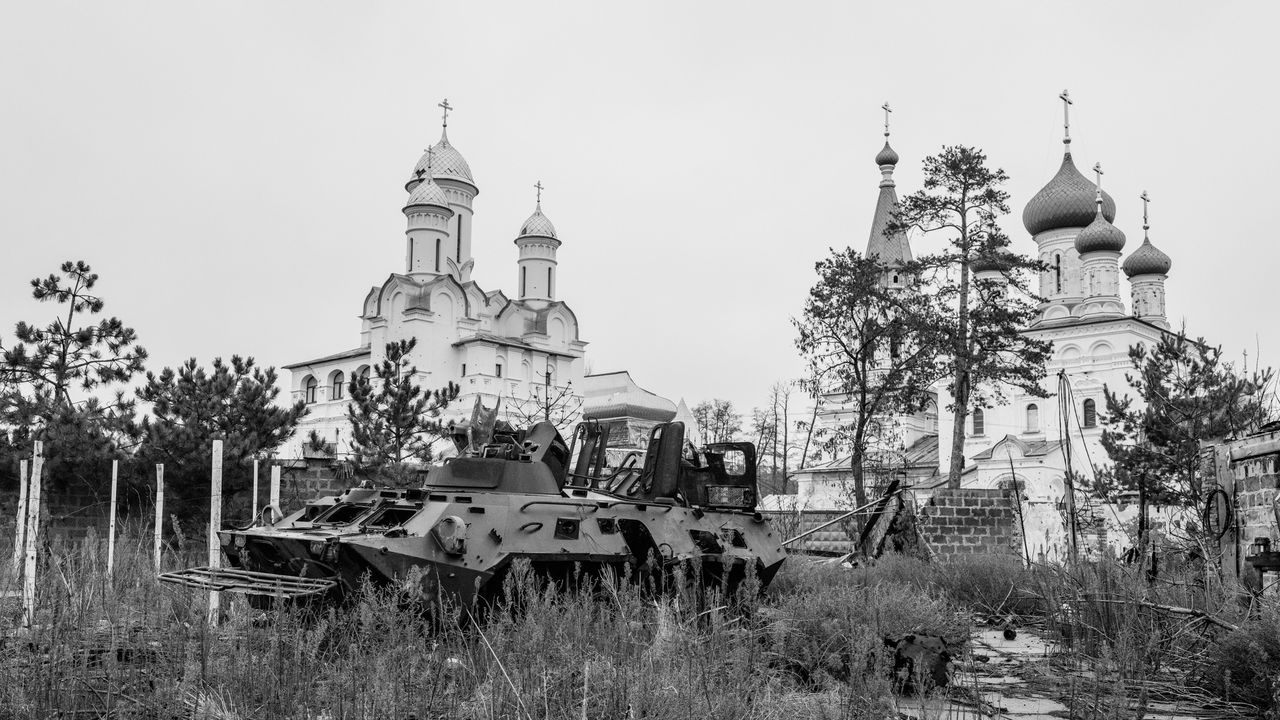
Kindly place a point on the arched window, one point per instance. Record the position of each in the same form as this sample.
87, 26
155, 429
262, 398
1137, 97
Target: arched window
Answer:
310, 392
979, 422
1090, 413
338, 380
1057, 273
437, 254
895, 279
1033, 418
549, 295
524, 280
363, 372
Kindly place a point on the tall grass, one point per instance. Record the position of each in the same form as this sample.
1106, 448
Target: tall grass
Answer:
131, 647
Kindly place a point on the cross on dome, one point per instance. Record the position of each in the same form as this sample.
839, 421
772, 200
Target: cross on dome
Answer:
1145, 226
538, 185
887, 110
444, 122
1097, 173
1066, 116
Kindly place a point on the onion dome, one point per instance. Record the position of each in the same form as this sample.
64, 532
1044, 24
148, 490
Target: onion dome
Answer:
538, 225
887, 156
428, 193
1147, 260
1067, 201
1100, 236
446, 164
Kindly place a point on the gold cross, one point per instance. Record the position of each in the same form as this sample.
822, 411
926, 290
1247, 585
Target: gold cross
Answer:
887, 110
539, 186
1066, 118
447, 107
1145, 225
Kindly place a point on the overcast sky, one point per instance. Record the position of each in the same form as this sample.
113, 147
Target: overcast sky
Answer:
235, 171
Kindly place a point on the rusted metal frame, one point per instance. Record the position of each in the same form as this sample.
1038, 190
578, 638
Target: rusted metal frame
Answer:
248, 582
563, 503
845, 516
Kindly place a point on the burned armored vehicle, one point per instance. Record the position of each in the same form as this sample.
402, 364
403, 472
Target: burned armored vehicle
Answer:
516, 495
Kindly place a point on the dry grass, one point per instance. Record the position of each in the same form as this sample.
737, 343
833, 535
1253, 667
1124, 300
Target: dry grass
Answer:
810, 647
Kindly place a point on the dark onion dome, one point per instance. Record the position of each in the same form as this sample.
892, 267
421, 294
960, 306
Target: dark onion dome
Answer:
1147, 260
1100, 236
1067, 201
999, 261
887, 156
538, 225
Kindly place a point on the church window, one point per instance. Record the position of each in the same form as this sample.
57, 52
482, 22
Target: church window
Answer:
1090, 413
549, 295
460, 219
895, 279
310, 392
437, 254
1057, 273
363, 372
497, 370
524, 280
1033, 418
464, 369
338, 379
979, 422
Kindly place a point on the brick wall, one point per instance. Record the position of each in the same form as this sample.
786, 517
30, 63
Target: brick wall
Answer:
1254, 496
964, 522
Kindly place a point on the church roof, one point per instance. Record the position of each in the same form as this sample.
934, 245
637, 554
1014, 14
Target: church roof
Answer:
538, 225
609, 396
886, 156
1066, 201
344, 355
922, 453
892, 249
1035, 448
1147, 260
517, 343
428, 193
446, 164
1100, 236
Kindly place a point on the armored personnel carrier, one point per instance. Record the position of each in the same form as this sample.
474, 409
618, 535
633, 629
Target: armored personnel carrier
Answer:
515, 496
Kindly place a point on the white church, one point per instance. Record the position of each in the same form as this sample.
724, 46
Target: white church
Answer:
1083, 315
497, 347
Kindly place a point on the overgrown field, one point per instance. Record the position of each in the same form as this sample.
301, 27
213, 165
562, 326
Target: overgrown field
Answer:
810, 646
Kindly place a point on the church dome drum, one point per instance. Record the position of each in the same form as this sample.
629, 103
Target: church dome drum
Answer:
1066, 201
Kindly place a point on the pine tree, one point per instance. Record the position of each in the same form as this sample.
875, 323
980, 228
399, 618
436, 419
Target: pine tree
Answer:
980, 332
1184, 394
191, 407
393, 421
56, 382
870, 343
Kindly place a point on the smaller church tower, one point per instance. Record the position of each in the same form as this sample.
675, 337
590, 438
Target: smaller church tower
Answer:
1147, 269
891, 248
429, 216
452, 173
1099, 247
537, 264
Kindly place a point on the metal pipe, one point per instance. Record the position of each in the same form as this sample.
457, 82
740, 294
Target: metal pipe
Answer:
845, 516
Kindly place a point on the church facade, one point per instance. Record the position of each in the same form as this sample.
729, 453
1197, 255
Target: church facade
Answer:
502, 348
1030, 439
